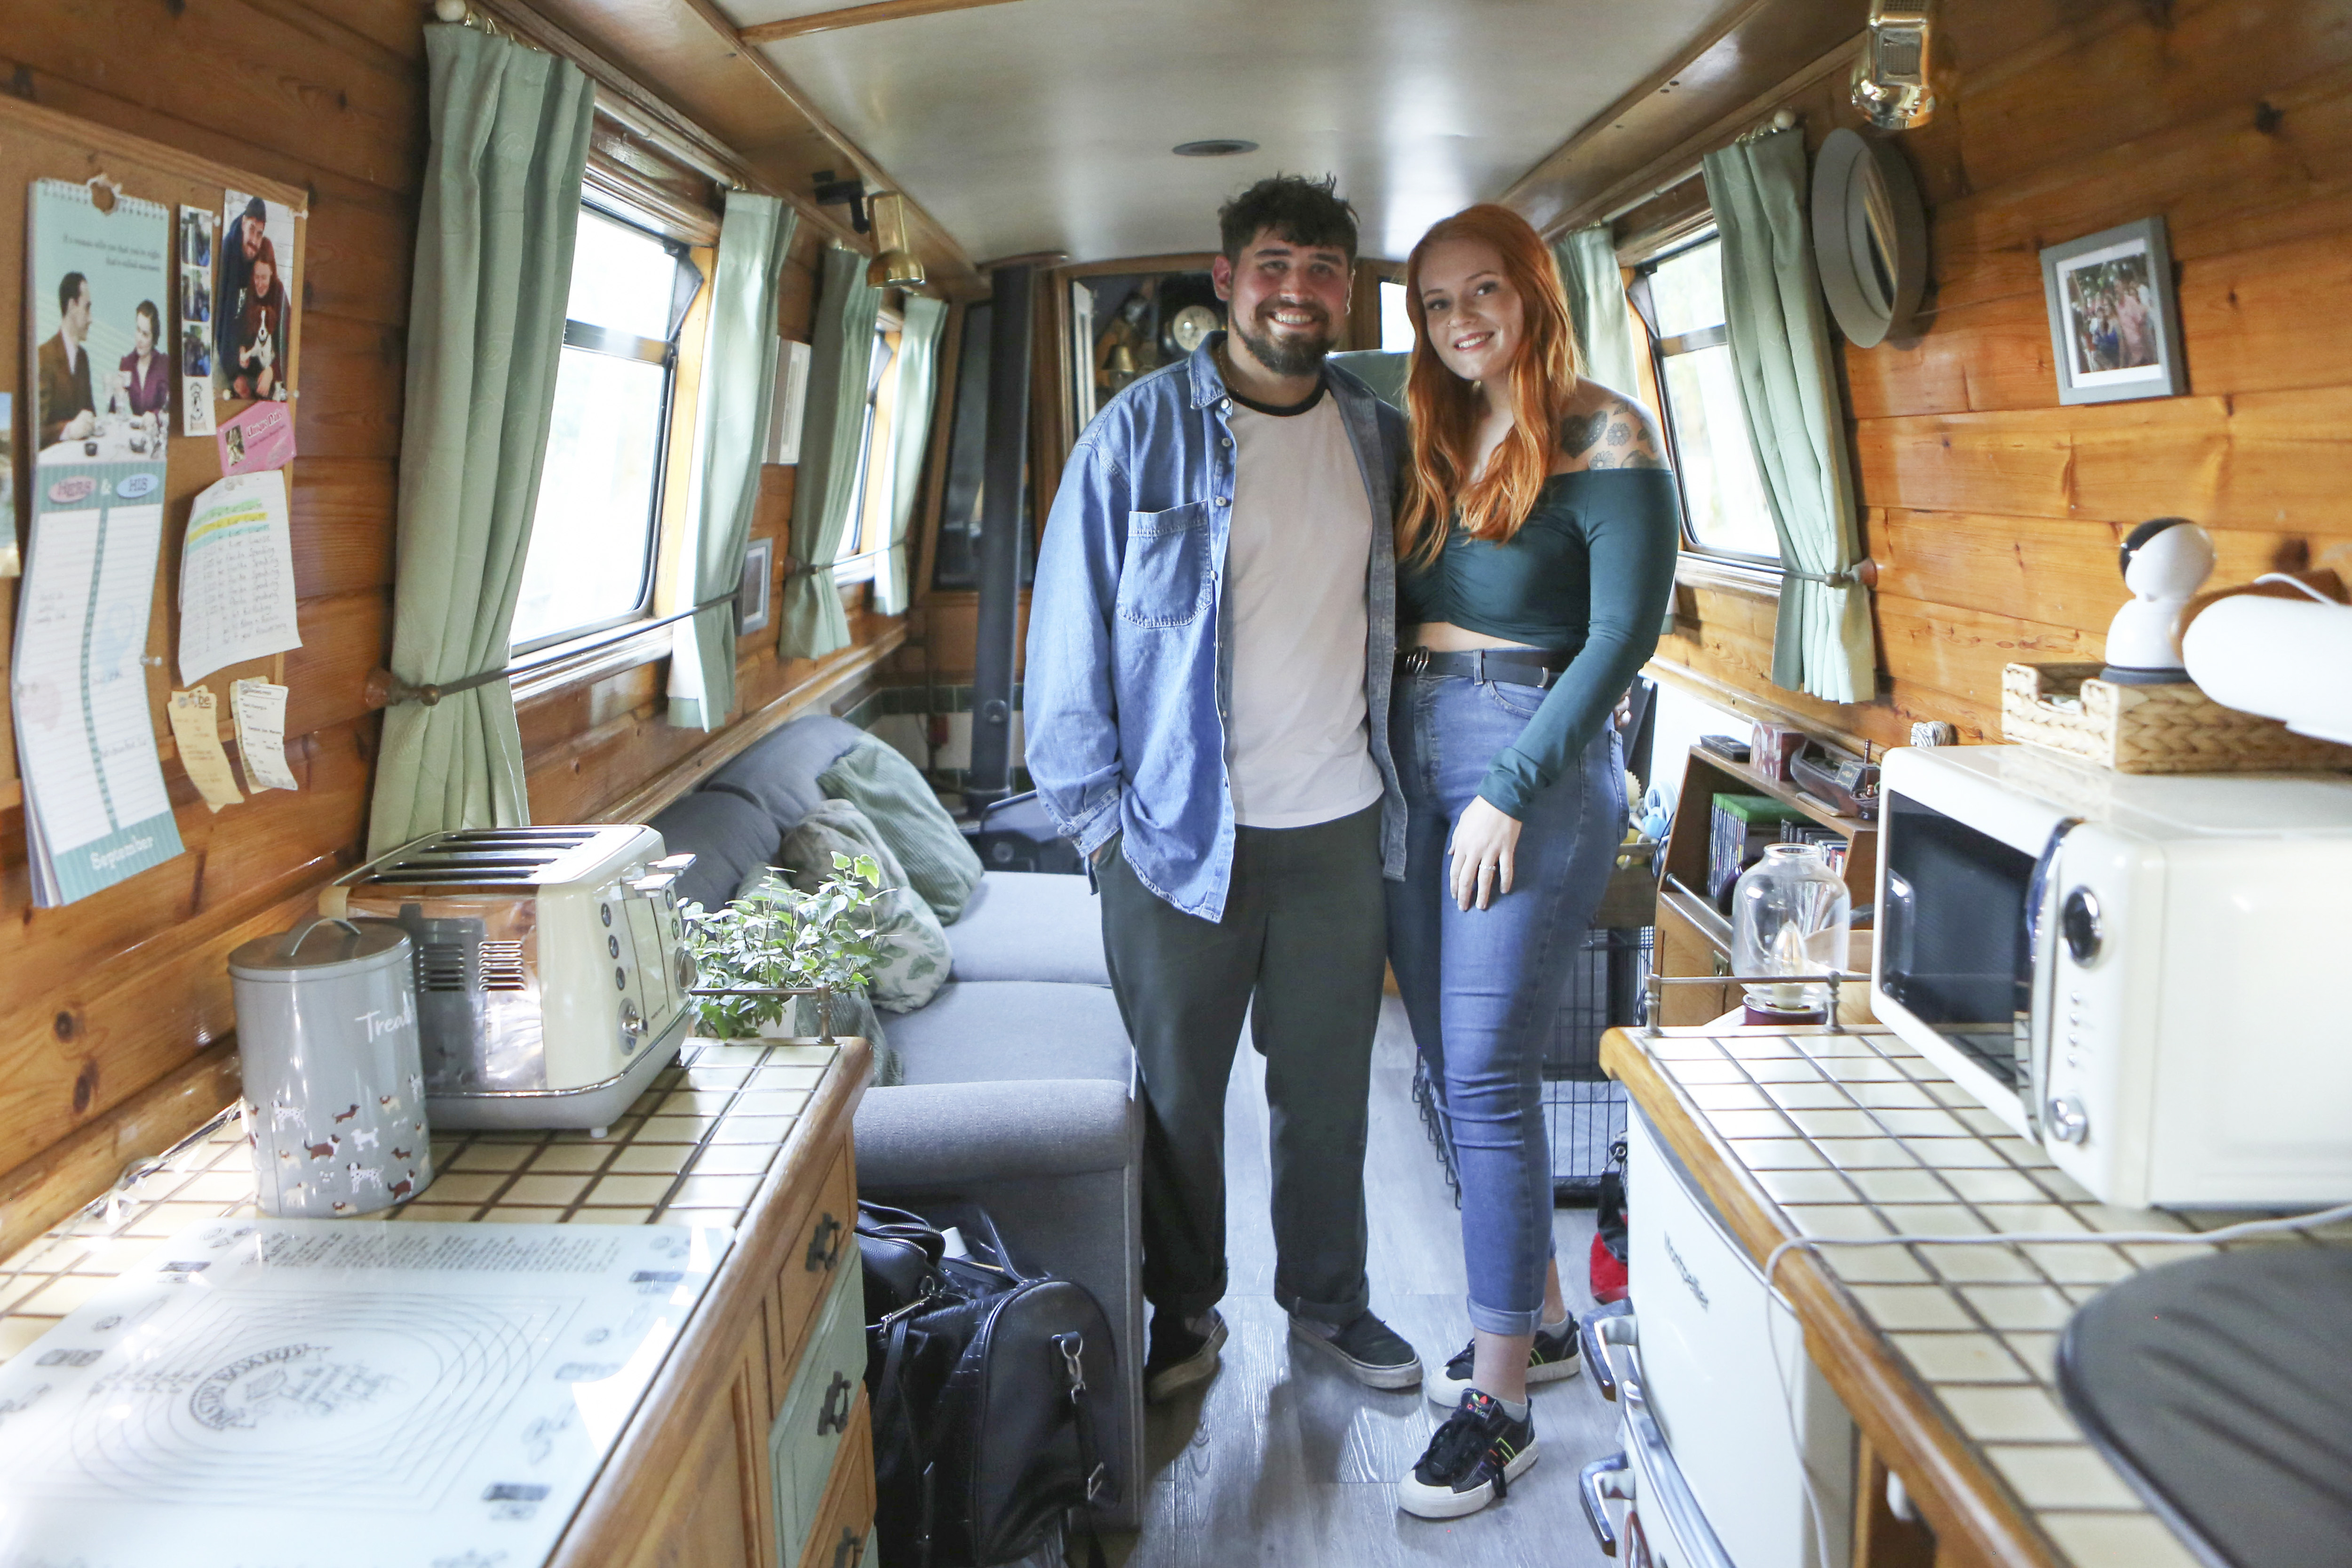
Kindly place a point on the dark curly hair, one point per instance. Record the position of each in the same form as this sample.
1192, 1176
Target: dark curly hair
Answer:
1297, 209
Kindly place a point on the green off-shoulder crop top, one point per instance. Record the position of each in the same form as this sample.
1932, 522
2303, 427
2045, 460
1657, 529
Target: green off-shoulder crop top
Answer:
1589, 574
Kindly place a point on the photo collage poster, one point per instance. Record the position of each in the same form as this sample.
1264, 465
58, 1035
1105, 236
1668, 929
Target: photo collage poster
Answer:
11, 560
253, 300
101, 282
195, 338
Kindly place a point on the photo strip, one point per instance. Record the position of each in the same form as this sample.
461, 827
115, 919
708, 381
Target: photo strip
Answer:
195, 258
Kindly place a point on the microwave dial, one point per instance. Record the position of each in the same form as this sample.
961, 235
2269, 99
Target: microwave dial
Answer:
2078, 922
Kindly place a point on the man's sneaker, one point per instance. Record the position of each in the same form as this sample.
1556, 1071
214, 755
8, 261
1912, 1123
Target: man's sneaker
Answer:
1373, 1353
1472, 1460
1550, 1359
1183, 1352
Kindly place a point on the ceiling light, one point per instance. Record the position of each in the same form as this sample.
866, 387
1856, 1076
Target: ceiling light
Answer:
1214, 147
893, 266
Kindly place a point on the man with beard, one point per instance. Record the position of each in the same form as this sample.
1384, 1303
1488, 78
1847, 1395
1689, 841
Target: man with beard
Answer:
1210, 645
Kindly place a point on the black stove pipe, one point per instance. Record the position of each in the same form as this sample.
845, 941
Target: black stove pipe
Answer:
989, 778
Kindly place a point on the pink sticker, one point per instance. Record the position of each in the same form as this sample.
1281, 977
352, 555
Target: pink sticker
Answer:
260, 437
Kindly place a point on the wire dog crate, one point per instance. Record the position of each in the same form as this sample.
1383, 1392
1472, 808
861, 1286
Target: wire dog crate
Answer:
1584, 1111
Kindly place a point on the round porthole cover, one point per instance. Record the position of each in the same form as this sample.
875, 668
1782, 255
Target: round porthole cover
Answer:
1870, 236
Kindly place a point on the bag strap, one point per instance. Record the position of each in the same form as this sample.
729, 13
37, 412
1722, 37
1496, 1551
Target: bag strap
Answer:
1098, 1479
894, 1377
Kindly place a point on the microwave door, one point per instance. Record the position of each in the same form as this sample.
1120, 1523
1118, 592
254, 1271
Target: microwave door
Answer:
1953, 947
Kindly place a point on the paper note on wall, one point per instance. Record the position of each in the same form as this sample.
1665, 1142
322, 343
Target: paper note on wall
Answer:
237, 575
260, 711
96, 810
196, 730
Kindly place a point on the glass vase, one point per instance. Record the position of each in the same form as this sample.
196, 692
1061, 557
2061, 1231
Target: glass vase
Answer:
1790, 916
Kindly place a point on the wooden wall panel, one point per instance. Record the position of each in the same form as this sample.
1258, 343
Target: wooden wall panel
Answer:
1994, 512
115, 999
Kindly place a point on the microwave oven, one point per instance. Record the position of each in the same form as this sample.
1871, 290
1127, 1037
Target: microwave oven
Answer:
2149, 975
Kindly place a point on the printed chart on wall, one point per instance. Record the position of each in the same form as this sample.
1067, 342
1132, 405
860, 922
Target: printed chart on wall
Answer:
96, 810
414, 1394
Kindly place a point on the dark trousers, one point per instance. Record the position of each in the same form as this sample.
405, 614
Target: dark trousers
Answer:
1300, 951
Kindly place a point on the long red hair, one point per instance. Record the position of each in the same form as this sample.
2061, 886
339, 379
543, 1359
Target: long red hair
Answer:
1443, 408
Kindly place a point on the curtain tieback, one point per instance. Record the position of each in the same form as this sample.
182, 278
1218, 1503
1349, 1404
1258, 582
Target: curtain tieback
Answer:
796, 567
1861, 574
385, 689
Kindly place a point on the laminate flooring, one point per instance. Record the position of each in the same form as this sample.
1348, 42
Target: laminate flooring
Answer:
1282, 1457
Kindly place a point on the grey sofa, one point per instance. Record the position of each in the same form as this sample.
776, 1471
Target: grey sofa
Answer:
1017, 1081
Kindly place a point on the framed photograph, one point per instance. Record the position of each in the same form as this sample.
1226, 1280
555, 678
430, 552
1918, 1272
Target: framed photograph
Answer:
2115, 324
752, 599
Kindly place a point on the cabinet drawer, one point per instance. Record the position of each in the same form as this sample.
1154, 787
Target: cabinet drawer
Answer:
843, 1536
825, 1248
823, 1394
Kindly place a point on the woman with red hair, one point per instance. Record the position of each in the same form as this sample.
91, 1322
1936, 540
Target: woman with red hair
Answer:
1535, 558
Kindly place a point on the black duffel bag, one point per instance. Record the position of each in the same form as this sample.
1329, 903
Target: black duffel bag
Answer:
989, 1386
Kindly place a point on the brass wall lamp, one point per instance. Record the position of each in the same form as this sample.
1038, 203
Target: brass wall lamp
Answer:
1890, 85
883, 215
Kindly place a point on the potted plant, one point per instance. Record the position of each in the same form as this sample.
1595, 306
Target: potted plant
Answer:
776, 936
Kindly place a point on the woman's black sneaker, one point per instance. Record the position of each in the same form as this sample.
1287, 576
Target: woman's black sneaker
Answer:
1183, 1352
1550, 1359
1471, 1462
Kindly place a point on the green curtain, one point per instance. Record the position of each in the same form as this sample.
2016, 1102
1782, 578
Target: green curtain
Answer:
841, 363
1596, 305
499, 207
918, 369
1796, 418
738, 398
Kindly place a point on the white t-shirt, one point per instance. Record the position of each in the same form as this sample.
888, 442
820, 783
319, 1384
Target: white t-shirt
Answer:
1297, 743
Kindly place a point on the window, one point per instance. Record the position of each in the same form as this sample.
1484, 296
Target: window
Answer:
1396, 322
868, 537
590, 563
1724, 511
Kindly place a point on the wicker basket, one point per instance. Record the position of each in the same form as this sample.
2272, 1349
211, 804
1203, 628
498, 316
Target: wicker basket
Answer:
2170, 728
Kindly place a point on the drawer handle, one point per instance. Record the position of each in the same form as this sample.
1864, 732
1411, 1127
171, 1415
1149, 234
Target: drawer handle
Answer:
851, 1549
830, 1419
825, 1245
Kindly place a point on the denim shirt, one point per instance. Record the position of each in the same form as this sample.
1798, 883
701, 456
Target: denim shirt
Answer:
1129, 675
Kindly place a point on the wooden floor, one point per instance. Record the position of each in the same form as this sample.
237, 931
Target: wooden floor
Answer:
1285, 1459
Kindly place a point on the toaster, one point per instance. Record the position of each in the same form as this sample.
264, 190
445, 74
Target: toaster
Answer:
552, 967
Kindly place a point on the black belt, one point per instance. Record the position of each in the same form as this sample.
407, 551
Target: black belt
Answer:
1519, 665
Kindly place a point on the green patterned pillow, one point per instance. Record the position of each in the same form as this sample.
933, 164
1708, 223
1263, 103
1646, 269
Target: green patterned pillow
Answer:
915, 953
941, 864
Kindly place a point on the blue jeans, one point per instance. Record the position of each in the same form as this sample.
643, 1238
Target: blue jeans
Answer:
1482, 986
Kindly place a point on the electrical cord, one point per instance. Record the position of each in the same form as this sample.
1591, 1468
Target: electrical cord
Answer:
2246, 1230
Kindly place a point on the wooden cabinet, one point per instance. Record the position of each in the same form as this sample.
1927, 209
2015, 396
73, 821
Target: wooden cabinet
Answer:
1694, 938
753, 1449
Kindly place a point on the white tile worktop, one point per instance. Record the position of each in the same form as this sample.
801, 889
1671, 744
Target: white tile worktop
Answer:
693, 1149
1855, 1134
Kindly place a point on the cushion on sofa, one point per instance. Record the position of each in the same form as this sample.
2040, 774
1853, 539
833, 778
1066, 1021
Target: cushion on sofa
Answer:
914, 950
1031, 925
940, 863
983, 1031
779, 772
952, 1134
728, 836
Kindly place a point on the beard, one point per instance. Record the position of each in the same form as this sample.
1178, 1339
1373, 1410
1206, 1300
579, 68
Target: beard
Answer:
1288, 354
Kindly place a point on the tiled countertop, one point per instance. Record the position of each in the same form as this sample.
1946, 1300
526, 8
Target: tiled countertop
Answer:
1855, 1134
694, 1147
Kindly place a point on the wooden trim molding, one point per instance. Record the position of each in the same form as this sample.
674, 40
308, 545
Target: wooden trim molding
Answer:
837, 674
856, 16
1757, 57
